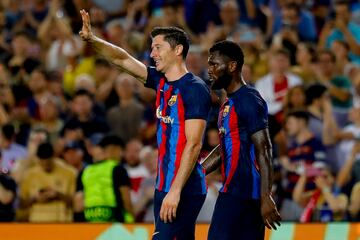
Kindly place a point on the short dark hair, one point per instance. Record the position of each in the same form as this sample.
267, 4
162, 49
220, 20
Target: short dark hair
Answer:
45, 150
112, 140
174, 36
313, 92
231, 50
304, 115
282, 51
342, 2
83, 92
8, 131
293, 6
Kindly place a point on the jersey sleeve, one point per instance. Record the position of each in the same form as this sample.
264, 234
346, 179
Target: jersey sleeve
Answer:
197, 101
254, 112
121, 177
153, 78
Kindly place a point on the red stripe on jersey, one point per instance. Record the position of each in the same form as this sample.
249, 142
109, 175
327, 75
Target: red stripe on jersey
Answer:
162, 149
220, 125
235, 142
181, 138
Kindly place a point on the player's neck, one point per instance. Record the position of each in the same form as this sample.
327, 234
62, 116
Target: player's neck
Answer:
176, 71
235, 85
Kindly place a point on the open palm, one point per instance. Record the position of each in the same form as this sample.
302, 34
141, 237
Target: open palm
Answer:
85, 32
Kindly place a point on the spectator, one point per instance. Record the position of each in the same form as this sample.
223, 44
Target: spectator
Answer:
104, 187
47, 190
305, 57
144, 206
84, 115
304, 150
343, 65
325, 203
74, 155
321, 121
7, 198
274, 86
341, 28
349, 174
354, 206
136, 170
10, 150
338, 86
125, 119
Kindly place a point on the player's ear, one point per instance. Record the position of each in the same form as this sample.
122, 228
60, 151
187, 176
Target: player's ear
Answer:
179, 49
232, 66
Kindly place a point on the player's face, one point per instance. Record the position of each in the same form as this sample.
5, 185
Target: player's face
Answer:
162, 53
218, 71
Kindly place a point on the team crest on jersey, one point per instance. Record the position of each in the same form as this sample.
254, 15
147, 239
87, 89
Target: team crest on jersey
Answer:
226, 111
172, 100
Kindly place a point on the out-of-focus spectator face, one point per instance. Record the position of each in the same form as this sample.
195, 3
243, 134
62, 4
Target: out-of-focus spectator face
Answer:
326, 63
115, 33
194, 62
354, 115
82, 105
303, 54
279, 63
37, 82
297, 97
229, 13
132, 152
20, 45
170, 16
101, 72
342, 11
73, 156
293, 126
290, 16
149, 159
125, 86
339, 49
48, 109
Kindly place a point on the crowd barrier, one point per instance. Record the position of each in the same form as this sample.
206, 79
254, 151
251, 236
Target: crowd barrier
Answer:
287, 231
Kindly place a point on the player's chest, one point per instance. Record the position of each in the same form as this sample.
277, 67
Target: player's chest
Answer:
169, 105
228, 123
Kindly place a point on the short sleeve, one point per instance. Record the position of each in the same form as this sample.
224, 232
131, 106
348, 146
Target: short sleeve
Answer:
121, 177
254, 112
197, 101
153, 78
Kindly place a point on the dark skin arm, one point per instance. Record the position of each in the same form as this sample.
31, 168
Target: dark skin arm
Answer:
212, 161
263, 152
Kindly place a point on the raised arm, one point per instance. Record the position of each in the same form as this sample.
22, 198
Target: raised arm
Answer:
212, 161
116, 55
263, 153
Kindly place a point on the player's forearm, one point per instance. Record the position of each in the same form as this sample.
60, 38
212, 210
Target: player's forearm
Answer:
187, 163
212, 161
119, 57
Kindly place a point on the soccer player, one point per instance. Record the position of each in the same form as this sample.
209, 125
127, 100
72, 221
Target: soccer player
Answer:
183, 103
244, 206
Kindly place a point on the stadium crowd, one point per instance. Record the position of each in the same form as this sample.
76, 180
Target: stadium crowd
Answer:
64, 109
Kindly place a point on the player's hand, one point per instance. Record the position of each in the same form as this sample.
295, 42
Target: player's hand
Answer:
270, 214
85, 32
169, 206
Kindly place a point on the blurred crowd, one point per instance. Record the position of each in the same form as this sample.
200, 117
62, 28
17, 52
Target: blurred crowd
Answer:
78, 136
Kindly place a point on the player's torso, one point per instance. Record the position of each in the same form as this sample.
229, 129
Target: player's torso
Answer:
239, 168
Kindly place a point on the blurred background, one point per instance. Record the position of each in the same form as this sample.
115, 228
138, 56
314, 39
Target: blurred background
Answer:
59, 103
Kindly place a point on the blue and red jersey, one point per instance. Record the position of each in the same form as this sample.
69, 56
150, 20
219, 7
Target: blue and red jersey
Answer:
242, 114
177, 101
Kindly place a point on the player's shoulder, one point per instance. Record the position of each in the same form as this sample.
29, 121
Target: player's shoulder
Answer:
248, 94
193, 85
